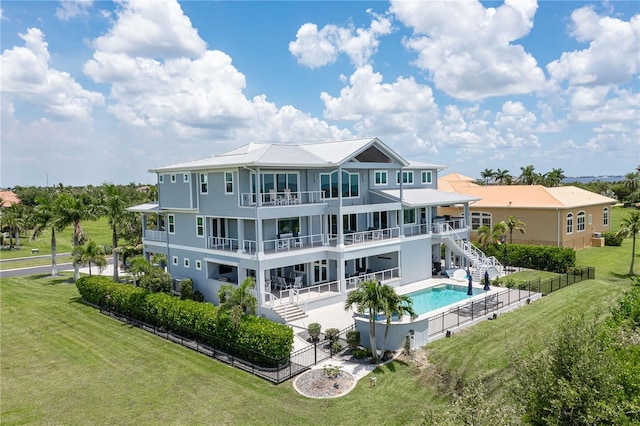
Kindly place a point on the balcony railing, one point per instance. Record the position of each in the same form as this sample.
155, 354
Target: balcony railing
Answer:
153, 235
371, 235
288, 242
443, 226
286, 198
414, 229
387, 274
230, 244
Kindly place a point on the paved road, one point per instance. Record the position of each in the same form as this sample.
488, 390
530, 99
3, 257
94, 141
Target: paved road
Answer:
33, 270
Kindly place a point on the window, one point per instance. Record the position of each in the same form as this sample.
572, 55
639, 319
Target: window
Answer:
380, 177
329, 184
175, 260
161, 178
198, 265
185, 262
407, 177
173, 178
409, 216
204, 187
172, 224
185, 178
350, 184
580, 221
426, 177
605, 216
228, 182
570, 223
350, 222
479, 219
199, 226
288, 225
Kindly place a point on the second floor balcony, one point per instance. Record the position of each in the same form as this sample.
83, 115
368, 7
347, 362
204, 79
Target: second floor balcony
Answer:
155, 235
285, 198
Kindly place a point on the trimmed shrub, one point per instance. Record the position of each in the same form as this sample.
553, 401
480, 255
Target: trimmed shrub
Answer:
314, 330
353, 339
362, 353
331, 334
336, 347
611, 239
542, 258
186, 289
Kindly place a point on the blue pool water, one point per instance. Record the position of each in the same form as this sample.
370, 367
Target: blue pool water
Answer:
437, 297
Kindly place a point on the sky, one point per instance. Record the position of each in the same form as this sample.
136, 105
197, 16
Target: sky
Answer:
95, 91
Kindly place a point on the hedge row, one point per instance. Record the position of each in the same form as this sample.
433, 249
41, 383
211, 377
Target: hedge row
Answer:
254, 339
544, 258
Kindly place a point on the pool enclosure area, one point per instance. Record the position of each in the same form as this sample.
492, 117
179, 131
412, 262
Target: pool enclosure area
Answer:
443, 308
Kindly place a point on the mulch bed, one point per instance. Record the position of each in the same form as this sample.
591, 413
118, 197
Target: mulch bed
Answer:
317, 384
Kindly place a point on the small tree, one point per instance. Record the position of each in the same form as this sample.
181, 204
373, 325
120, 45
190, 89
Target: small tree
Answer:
186, 289
314, 330
88, 254
353, 339
514, 224
630, 227
367, 298
242, 295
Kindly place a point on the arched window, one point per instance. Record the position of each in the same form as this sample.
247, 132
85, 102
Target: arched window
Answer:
479, 219
570, 223
605, 216
581, 217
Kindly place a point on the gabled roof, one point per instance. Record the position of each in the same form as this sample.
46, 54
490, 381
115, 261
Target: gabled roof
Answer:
522, 196
9, 198
424, 197
313, 155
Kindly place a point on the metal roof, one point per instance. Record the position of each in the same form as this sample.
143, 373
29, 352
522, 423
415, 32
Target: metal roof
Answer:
424, 197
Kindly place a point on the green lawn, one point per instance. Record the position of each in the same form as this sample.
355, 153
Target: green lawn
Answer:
62, 362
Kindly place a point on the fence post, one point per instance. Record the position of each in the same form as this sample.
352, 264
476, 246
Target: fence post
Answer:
315, 352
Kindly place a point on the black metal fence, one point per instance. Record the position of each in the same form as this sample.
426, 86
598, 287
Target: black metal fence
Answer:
463, 314
236, 355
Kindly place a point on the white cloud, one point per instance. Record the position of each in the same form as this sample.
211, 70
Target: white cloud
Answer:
73, 8
612, 56
622, 105
152, 29
314, 48
468, 48
26, 76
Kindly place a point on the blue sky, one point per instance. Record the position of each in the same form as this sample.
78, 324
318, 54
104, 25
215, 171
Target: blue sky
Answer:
99, 91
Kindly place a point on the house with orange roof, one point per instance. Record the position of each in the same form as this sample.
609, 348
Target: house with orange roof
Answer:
564, 216
9, 198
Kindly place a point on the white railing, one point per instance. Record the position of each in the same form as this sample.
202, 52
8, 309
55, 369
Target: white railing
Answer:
305, 294
415, 229
286, 198
153, 235
371, 235
249, 246
289, 242
222, 243
386, 274
442, 226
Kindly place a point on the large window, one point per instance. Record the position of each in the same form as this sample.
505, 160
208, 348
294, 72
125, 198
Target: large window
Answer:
288, 225
275, 181
570, 223
380, 178
350, 184
409, 216
605, 216
204, 186
479, 219
426, 176
350, 222
407, 178
172, 224
199, 226
228, 182
581, 226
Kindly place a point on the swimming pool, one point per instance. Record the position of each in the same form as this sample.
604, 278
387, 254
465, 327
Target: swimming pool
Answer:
438, 296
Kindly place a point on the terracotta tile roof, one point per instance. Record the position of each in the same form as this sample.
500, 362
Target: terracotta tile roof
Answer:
9, 198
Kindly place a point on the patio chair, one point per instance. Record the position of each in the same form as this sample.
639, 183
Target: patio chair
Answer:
297, 283
282, 283
272, 196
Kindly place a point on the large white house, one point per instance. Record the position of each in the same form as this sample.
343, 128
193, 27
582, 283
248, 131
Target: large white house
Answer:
308, 221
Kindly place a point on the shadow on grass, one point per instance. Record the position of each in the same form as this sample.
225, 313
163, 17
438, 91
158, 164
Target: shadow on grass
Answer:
390, 367
51, 280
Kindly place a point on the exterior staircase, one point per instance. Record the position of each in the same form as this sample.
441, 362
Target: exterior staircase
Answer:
289, 312
480, 263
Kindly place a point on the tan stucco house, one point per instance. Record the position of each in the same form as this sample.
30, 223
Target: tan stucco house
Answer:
564, 216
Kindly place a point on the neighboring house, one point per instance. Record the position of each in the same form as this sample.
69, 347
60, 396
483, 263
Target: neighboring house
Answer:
9, 198
308, 221
564, 216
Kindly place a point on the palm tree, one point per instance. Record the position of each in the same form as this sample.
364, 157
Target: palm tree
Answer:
14, 219
632, 183
527, 175
513, 223
394, 304
115, 205
630, 227
73, 209
367, 297
487, 174
502, 177
46, 217
487, 235
241, 296
88, 254
554, 177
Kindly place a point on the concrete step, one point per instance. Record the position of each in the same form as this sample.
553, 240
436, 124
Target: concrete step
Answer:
293, 312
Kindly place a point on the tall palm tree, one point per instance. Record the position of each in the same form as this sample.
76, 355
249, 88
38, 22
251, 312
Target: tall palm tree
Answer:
367, 297
487, 174
514, 224
527, 175
394, 304
115, 205
14, 219
88, 254
487, 235
630, 227
46, 217
632, 183
503, 177
73, 209
241, 296
554, 178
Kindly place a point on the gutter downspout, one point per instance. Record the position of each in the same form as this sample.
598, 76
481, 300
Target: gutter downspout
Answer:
558, 213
